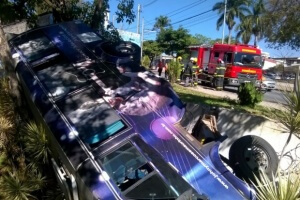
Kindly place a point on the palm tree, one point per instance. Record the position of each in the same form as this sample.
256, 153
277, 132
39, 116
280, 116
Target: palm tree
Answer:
161, 22
252, 24
244, 31
235, 9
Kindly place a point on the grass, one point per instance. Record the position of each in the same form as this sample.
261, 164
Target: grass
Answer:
191, 96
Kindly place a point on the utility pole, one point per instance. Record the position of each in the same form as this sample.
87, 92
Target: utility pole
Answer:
142, 39
138, 18
224, 21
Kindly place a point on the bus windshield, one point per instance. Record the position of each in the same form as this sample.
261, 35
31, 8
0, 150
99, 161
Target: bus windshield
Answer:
247, 59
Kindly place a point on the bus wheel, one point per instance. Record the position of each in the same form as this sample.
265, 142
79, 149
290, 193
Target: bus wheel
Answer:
250, 155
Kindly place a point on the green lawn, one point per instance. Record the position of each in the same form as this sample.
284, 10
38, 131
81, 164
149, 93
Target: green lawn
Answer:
191, 96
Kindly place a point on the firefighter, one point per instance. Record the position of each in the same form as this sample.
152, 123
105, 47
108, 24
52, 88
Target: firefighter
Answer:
195, 72
188, 71
179, 59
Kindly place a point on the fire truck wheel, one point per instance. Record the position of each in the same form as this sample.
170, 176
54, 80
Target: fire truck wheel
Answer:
250, 155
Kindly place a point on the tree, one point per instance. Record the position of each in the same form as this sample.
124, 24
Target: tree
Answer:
282, 23
125, 11
219, 40
151, 49
174, 41
161, 22
244, 31
252, 23
235, 9
200, 39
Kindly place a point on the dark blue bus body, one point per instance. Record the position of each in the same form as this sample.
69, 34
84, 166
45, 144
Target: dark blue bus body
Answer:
115, 131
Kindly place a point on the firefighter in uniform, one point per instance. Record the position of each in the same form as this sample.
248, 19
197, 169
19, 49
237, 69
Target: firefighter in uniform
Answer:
195, 72
188, 71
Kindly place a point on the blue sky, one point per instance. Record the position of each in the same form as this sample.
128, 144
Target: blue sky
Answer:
178, 10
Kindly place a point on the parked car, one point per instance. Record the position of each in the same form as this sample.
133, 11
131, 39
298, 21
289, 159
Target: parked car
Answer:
115, 129
268, 84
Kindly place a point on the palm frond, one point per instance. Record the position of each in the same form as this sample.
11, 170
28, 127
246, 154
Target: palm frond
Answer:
36, 143
20, 185
281, 188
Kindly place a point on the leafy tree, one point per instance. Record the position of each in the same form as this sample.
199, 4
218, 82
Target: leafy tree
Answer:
282, 23
200, 39
252, 23
174, 41
151, 49
125, 11
161, 22
235, 9
219, 40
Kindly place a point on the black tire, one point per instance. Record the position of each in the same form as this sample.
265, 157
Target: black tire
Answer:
121, 52
251, 154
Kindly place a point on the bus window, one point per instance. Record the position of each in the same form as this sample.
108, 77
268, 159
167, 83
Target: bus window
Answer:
93, 119
35, 46
88, 37
61, 78
134, 176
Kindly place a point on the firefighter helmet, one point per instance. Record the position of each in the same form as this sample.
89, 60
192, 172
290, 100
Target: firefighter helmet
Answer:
195, 60
179, 58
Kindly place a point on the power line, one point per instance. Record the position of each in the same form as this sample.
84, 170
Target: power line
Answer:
192, 17
209, 18
148, 4
180, 10
196, 19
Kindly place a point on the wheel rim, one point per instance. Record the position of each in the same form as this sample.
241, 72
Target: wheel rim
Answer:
256, 159
127, 49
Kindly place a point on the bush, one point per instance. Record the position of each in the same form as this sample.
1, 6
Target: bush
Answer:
248, 95
146, 61
174, 70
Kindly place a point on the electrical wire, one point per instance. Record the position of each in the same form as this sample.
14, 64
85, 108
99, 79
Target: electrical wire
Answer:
148, 4
192, 16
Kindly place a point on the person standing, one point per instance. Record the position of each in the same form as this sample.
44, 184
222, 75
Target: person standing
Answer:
188, 71
166, 70
195, 72
160, 67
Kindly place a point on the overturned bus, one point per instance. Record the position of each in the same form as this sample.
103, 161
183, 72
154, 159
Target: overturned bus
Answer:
114, 127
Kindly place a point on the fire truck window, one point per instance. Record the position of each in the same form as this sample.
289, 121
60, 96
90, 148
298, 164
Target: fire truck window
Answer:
228, 57
216, 55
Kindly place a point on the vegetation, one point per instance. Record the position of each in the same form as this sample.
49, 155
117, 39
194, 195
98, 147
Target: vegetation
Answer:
174, 71
151, 49
235, 9
20, 153
282, 23
252, 23
291, 117
161, 23
174, 41
248, 95
146, 62
282, 188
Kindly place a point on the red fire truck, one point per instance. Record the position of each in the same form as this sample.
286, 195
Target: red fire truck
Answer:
242, 63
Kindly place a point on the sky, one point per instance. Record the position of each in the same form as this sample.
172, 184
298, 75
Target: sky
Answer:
178, 10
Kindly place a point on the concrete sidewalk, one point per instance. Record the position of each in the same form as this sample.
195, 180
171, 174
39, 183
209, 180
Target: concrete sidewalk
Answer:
236, 124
